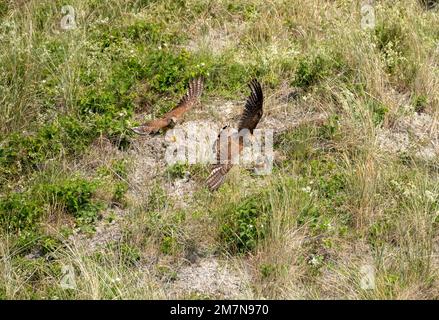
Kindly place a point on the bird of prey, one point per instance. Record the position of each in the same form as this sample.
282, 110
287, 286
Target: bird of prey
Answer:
231, 150
186, 103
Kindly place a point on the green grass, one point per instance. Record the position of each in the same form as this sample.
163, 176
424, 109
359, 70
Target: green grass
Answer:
78, 189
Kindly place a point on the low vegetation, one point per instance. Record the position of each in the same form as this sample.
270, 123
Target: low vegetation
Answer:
90, 211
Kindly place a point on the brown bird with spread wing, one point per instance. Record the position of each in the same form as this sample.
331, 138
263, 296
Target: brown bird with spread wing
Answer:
234, 144
186, 103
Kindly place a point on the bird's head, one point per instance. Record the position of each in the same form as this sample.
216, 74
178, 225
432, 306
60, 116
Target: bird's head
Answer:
172, 122
141, 130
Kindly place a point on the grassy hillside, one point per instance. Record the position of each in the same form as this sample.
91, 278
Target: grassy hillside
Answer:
90, 211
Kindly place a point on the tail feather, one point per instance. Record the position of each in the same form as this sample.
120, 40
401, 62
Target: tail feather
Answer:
196, 87
217, 176
194, 91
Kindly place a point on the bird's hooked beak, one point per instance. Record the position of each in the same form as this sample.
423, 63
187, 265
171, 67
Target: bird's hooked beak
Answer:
172, 122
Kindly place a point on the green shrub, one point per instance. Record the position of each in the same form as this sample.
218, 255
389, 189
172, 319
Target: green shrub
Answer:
150, 33
329, 180
43, 15
22, 153
177, 170
49, 244
247, 10
35, 271
227, 76
244, 226
390, 40
140, 4
297, 144
168, 244
312, 69
420, 103
118, 174
3, 10
19, 211
168, 70
76, 196
378, 111
268, 270
120, 189
171, 235
378, 233
129, 255
330, 129
326, 185
386, 34
157, 198
309, 215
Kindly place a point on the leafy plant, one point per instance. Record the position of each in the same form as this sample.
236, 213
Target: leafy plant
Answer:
313, 69
130, 255
244, 226
420, 103
19, 211
177, 170
379, 112
76, 196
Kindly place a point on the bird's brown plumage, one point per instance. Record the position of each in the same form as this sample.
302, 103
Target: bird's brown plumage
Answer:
186, 103
231, 150
253, 108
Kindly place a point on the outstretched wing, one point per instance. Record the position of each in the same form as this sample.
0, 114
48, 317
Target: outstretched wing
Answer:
253, 107
218, 171
228, 151
217, 176
191, 97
